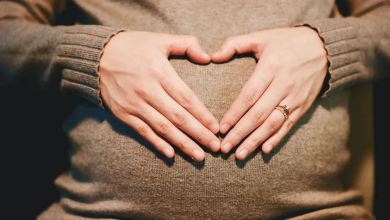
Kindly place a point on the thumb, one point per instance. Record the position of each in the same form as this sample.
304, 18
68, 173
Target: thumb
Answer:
185, 44
238, 44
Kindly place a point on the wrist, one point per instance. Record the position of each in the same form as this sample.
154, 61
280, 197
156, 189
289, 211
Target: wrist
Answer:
105, 57
320, 42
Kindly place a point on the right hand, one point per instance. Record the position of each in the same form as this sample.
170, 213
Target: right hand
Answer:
142, 89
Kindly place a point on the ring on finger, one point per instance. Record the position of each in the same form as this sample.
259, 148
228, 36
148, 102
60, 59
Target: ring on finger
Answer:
284, 110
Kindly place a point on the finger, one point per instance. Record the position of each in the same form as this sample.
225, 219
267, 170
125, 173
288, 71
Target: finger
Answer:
269, 127
248, 96
238, 44
182, 119
255, 116
167, 130
276, 138
176, 88
186, 44
149, 135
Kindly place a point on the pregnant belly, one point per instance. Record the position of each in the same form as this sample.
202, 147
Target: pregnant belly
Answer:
115, 173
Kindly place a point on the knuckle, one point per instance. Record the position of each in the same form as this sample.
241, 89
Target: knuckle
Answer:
118, 110
263, 79
239, 134
183, 145
250, 96
140, 91
179, 118
274, 63
273, 125
159, 144
122, 110
289, 84
234, 116
156, 70
132, 104
258, 117
185, 99
201, 137
208, 122
303, 100
163, 128
289, 124
142, 131
254, 142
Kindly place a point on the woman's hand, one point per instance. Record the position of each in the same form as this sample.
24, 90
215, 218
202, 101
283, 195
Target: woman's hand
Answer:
291, 68
142, 89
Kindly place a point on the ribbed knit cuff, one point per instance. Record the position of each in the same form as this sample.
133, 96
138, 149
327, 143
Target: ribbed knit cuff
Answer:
78, 56
341, 43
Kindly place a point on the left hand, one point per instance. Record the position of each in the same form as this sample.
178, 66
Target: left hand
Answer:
291, 68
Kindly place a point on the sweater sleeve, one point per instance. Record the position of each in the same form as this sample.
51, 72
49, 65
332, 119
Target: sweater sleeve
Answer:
358, 45
37, 54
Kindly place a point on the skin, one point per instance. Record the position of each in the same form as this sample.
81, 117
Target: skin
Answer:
151, 98
291, 69
141, 88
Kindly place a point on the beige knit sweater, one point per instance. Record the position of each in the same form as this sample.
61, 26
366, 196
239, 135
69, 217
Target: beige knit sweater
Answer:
115, 174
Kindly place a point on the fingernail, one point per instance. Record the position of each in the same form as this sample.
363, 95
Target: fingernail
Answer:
227, 147
215, 145
168, 152
197, 155
214, 127
268, 148
244, 153
225, 128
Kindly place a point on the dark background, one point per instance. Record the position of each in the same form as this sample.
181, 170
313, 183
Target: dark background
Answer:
381, 147
33, 150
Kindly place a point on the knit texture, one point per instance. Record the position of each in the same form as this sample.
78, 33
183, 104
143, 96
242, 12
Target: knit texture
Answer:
115, 174
341, 43
79, 53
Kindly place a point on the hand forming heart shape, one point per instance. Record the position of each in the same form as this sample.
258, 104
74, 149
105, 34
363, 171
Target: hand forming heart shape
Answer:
291, 71
141, 88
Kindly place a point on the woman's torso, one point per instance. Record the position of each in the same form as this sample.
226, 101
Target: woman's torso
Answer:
115, 173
